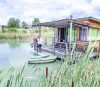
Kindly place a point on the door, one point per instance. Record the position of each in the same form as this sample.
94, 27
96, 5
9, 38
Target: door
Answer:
63, 34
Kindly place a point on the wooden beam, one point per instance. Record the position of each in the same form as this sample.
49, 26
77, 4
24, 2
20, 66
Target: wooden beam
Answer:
78, 33
99, 46
40, 31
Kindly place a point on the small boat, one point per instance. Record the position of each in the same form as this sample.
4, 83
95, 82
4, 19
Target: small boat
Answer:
42, 58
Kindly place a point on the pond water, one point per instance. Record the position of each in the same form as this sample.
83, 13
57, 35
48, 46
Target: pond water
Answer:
16, 53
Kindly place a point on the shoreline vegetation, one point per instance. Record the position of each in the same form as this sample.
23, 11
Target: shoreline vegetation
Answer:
23, 34
84, 73
13, 33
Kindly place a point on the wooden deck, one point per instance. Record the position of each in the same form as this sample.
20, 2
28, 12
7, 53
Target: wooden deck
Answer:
58, 52
63, 49
61, 53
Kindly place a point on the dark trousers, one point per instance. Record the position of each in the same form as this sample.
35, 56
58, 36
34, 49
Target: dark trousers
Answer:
39, 48
35, 44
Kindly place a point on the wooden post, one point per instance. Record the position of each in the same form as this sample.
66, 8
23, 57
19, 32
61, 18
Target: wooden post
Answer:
45, 41
53, 47
52, 40
40, 31
99, 47
70, 28
59, 34
66, 49
70, 35
46, 72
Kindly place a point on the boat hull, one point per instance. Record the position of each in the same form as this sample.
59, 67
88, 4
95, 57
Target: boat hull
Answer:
40, 61
42, 58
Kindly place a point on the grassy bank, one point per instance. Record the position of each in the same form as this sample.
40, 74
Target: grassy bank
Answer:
15, 34
24, 33
85, 73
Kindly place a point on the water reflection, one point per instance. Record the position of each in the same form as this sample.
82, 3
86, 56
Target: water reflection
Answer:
14, 53
13, 44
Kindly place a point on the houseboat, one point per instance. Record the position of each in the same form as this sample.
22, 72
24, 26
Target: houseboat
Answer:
69, 31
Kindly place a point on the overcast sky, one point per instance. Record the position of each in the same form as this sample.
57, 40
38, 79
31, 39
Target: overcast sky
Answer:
47, 10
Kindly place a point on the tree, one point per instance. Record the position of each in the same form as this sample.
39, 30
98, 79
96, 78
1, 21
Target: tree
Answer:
13, 23
35, 21
24, 25
17, 23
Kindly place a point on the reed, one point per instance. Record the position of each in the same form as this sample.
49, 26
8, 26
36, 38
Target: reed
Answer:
84, 73
14, 36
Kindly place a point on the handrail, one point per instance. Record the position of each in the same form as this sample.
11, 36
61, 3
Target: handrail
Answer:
78, 43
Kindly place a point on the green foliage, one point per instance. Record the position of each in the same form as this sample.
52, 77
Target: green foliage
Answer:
24, 31
13, 23
12, 30
24, 25
35, 21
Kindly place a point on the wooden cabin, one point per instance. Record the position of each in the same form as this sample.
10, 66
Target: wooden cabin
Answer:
81, 31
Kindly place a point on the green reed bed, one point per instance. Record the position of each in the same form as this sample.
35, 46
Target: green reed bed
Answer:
14, 36
13, 33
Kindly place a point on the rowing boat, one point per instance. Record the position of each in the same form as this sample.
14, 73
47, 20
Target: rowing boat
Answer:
42, 58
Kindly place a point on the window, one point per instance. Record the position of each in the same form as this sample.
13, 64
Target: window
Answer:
83, 33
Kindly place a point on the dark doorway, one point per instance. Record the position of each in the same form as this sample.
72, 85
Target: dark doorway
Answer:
62, 33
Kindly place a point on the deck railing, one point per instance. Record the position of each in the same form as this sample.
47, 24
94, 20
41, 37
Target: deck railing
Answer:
48, 40
65, 46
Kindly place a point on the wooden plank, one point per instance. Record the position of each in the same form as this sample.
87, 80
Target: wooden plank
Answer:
99, 47
40, 31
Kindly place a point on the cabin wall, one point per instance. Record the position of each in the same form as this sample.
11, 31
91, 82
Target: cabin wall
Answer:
82, 44
94, 24
94, 29
94, 34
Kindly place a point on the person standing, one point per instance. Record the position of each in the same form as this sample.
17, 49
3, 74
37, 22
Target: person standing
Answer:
39, 45
36, 35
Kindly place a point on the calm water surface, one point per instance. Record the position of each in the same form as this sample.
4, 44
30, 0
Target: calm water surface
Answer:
16, 53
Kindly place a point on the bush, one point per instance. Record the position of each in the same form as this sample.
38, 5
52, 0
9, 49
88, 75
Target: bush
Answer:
12, 30
24, 31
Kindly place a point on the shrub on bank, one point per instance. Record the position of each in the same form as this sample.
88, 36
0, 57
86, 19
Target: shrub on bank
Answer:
12, 30
24, 31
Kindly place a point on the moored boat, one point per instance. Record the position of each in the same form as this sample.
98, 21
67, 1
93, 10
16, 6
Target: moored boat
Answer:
42, 58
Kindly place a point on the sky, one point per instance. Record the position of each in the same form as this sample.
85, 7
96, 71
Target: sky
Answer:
47, 10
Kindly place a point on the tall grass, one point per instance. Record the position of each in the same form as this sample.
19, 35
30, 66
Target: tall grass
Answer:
84, 73
17, 34
24, 33
14, 36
